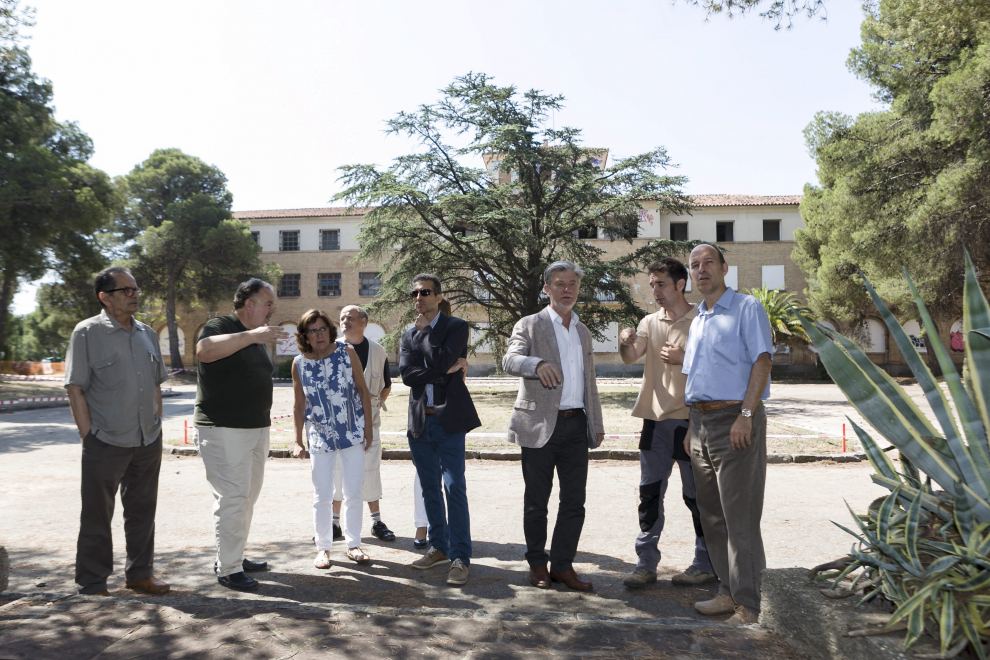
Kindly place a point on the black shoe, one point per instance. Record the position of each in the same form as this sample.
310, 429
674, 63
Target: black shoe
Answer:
420, 544
381, 531
249, 565
337, 533
238, 582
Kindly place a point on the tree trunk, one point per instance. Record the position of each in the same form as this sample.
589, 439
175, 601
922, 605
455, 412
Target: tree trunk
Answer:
173, 329
6, 296
930, 356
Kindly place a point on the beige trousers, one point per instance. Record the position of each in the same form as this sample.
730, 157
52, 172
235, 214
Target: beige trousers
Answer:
730, 485
235, 467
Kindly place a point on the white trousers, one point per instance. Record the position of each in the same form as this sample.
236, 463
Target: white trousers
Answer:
371, 487
352, 473
235, 467
419, 506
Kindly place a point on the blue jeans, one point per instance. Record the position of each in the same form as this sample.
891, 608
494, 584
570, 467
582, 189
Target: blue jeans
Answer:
438, 454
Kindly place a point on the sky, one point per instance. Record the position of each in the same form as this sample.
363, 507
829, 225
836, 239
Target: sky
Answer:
279, 95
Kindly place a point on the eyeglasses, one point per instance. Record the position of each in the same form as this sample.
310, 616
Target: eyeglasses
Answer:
425, 293
317, 331
128, 291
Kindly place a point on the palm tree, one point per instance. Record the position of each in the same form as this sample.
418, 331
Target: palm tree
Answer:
783, 311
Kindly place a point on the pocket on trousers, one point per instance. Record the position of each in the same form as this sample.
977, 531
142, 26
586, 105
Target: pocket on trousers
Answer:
646, 435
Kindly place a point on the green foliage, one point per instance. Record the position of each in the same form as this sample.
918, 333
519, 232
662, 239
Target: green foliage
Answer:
188, 249
926, 550
284, 369
489, 235
776, 10
783, 310
53, 206
909, 185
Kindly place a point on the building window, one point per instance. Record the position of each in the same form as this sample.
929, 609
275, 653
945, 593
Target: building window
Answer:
328, 284
587, 233
371, 284
329, 239
773, 277
723, 232
288, 241
256, 236
289, 286
771, 230
678, 231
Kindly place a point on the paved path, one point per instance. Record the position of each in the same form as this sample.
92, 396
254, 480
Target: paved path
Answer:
300, 609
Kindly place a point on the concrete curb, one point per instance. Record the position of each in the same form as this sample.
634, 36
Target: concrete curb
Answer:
516, 455
817, 627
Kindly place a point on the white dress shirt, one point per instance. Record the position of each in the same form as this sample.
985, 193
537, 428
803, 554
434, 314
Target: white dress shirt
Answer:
571, 361
429, 386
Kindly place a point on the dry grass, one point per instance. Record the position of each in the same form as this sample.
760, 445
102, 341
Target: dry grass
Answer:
494, 405
26, 389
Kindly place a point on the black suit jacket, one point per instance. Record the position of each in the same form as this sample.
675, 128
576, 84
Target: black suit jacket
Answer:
424, 357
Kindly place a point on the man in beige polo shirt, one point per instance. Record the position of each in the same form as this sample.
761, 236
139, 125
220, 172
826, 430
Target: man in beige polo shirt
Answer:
661, 337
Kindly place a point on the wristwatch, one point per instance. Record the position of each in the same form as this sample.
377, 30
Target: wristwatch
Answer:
746, 412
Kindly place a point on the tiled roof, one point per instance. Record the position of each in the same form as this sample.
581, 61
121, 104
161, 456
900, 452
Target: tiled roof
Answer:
699, 200
745, 200
326, 212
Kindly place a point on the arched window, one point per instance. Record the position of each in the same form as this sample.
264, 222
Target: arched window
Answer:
163, 341
956, 342
876, 337
288, 346
374, 332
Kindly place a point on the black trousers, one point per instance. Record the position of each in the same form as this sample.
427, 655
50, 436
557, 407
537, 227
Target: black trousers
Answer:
105, 468
567, 452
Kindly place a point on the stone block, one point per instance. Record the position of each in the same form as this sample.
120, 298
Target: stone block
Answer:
4, 568
780, 458
623, 454
396, 455
500, 455
792, 606
809, 458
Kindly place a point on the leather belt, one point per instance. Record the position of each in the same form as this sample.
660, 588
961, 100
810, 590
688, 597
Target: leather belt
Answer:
431, 411
714, 405
573, 412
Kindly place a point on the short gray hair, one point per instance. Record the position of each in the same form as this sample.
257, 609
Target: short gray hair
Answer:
247, 290
360, 311
559, 266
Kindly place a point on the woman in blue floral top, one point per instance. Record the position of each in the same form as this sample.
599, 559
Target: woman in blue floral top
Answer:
329, 406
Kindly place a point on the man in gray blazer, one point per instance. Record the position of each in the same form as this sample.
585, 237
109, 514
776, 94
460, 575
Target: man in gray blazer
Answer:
556, 418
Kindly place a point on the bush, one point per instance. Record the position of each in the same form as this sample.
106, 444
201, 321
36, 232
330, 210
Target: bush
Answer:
283, 369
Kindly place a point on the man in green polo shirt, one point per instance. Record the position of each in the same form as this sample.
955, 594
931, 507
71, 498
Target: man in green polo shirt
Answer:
233, 418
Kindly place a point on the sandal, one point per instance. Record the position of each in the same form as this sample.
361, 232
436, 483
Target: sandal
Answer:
356, 555
322, 559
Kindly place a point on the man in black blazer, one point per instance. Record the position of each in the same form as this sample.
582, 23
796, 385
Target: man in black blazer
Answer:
433, 363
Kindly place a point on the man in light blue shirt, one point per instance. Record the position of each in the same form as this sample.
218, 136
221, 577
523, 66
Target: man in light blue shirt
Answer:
727, 362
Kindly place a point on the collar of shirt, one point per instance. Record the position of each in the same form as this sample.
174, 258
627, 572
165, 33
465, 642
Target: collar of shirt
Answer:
111, 324
436, 318
725, 301
690, 314
557, 318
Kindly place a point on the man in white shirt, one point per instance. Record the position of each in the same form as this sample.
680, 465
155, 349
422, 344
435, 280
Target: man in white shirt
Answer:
556, 418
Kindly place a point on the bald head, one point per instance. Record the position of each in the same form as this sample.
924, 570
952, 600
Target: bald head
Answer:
353, 321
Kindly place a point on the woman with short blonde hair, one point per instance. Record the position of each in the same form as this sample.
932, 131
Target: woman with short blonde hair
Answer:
330, 405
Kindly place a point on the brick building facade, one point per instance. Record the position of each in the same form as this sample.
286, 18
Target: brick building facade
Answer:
316, 249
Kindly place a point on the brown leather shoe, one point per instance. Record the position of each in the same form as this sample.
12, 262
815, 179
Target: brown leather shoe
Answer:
102, 593
571, 579
539, 577
151, 585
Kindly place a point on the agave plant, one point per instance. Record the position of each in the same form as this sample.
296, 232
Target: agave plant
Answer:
783, 310
926, 546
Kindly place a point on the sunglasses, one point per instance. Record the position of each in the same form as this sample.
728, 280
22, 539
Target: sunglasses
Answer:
312, 332
426, 293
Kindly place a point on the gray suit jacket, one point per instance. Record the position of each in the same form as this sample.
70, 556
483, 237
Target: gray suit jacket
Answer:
534, 415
